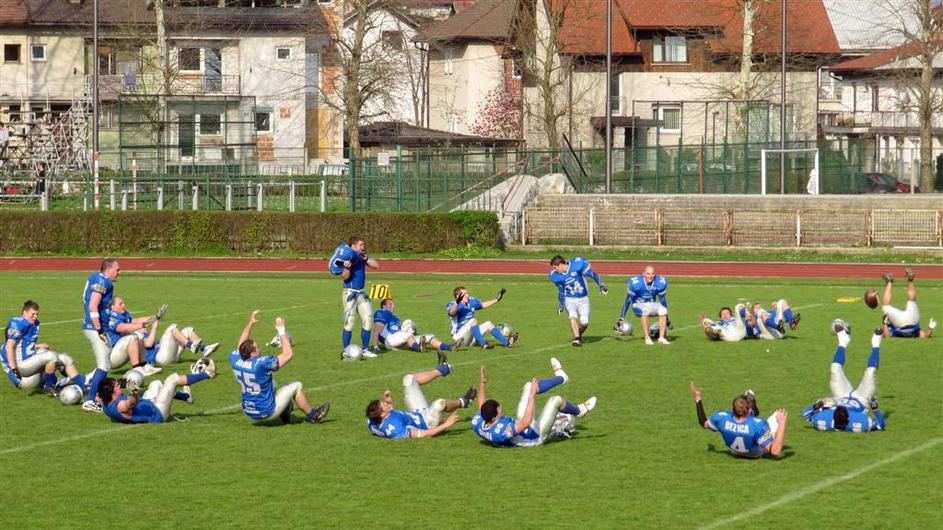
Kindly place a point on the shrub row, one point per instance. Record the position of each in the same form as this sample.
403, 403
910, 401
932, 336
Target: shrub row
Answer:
240, 232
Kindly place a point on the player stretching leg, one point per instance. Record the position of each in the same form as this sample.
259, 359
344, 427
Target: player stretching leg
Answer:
24, 361
154, 406
745, 433
465, 328
350, 261
96, 298
393, 334
572, 295
906, 323
647, 298
731, 326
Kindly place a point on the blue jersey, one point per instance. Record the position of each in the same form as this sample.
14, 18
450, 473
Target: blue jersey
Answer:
358, 266
391, 322
639, 291
752, 331
255, 377
398, 424
572, 283
747, 437
112, 320
464, 315
502, 432
144, 412
26, 333
99, 283
906, 332
858, 421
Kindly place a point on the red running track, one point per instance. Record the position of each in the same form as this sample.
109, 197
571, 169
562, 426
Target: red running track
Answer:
487, 266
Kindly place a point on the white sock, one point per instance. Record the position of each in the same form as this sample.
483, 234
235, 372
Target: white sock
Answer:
843, 339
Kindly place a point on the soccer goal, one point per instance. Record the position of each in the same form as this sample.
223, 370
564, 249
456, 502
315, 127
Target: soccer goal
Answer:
797, 162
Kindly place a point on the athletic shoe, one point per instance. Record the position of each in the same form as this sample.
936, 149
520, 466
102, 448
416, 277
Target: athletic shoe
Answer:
210, 348
468, 396
586, 406
781, 326
204, 365
285, 416
931, 324
150, 369
320, 412
648, 341
750, 394
368, 354
487, 346
92, 406
663, 340
443, 361
512, 340
51, 391
194, 346
558, 369
423, 343
839, 325
186, 390
888, 277
578, 342
873, 403
909, 272
794, 323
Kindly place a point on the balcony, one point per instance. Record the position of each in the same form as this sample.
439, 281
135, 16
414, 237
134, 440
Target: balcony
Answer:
111, 86
906, 122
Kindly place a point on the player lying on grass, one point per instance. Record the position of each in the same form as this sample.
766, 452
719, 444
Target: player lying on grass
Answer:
902, 323
419, 420
846, 409
647, 296
130, 338
731, 326
572, 294
260, 400
393, 334
557, 420
745, 433
465, 328
154, 405
771, 325
26, 362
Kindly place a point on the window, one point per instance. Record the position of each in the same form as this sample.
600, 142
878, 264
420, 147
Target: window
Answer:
209, 124
392, 40
615, 95
516, 71
14, 113
670, 117
448, 61
11, 53
37, 53
669, 49
263, 121
189, 59
283, 53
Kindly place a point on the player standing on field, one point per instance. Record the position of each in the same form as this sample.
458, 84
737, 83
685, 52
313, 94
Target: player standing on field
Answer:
95, 300
350, 261
572, 295
646, 297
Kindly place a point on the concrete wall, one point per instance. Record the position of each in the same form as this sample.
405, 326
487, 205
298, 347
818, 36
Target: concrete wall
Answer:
58, 77
787, 202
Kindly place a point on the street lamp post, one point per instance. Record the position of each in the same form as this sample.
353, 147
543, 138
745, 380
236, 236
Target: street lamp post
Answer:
97, 196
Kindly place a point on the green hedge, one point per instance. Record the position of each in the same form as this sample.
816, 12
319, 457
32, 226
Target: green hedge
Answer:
241, 232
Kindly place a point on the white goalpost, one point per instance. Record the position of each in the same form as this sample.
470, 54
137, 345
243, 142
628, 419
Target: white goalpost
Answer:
813, 183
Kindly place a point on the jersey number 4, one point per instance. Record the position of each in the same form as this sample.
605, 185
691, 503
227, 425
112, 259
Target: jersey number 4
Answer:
737, 445
247, 382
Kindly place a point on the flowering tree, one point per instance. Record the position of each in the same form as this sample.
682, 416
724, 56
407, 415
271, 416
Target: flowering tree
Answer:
499, 115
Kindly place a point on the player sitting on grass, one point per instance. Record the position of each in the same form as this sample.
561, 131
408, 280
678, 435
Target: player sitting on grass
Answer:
393, 334
154, 405
465, 328
745, 433
846, 410
731, 327
130, 338
419, 420
557, 420
27, 363
772, 325
260, 401
903, 323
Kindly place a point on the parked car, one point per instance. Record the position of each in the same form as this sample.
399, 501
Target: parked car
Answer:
883, 183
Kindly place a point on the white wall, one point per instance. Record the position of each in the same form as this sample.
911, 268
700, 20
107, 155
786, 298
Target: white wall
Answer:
455, 99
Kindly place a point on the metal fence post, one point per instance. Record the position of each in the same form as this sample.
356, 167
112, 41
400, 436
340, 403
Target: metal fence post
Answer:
259, 200
798, 228
160, 197
134, 178
523, 227
250, 199
228, 197
124, 200
111, 194
323, 196
181, 200
44, 200
196, 198
291, 196
592, 225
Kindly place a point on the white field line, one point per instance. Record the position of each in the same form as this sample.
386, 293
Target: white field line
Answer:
125, 428
818, 486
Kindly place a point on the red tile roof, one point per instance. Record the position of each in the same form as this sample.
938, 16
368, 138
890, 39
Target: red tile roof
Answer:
878, 59
486, 20
584, 28
13, 13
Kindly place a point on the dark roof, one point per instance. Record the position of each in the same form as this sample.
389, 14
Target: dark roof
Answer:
488, 20
135, 12
599, 122
878, 59
13, 13
390, 133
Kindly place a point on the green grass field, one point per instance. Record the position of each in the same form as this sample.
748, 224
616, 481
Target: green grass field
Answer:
638, 460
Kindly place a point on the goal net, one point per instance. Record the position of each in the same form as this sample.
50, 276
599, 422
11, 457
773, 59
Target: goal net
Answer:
790, 170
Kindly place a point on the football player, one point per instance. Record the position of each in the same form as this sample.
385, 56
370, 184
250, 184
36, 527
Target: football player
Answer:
154, 405
572, 295
389, 331
419, 420
846, 410
524, 430
772, 325
647, 298
730, 328
260, 400
350, 262
95, 299
130, 339
745, 433
24, 359
465, 328
906, 323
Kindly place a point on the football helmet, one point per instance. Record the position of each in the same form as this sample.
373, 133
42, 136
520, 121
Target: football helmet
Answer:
352, 352
624, 328
71, 395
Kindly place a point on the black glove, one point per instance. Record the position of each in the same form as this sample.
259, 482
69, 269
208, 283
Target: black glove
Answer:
16, 372
501, 293
603, 289
819, 405
618, 325
873, 403
375, 349
668, 323
104, 337
559, 310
